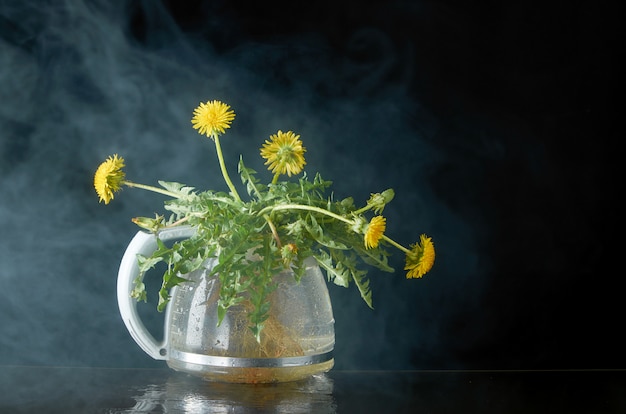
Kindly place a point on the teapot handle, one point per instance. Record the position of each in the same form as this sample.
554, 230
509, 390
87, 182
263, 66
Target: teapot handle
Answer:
144, 244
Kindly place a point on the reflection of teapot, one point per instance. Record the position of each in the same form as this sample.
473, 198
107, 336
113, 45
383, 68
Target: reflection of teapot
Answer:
184, 394
296, 342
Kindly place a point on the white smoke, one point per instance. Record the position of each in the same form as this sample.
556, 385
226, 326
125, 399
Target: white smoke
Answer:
77, 85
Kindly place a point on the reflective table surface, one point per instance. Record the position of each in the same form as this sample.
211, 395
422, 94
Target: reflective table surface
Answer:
25, 389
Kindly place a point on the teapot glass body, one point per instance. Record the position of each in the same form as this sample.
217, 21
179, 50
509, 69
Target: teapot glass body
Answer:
297, 339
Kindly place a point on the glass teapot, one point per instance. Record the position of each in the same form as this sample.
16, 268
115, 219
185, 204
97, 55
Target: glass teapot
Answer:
297, 340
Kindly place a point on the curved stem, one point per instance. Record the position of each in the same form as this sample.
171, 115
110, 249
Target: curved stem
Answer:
220, 157
328, 213
304, 207
273, 228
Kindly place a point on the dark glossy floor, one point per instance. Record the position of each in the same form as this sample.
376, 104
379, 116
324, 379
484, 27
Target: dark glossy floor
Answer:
103, 390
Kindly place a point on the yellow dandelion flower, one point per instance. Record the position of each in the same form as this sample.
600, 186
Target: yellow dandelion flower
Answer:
421, 258
212, 118
374, 232
109, 178
284, 153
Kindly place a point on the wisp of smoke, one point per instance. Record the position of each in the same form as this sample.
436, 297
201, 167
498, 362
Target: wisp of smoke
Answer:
78, 84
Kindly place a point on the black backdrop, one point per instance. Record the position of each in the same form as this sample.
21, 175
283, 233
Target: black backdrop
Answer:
495, 125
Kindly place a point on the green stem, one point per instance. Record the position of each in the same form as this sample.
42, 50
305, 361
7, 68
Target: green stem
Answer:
151, 188
328, 213
220, 157
275, 179
273, 228
303, 207
363, 209
398, 245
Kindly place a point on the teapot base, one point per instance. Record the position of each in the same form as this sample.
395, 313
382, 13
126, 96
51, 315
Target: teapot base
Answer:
251, 375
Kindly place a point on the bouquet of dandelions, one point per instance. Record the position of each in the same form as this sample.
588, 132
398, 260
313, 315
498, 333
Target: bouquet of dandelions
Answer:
280, 224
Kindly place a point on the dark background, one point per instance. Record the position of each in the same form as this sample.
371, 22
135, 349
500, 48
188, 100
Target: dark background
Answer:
494, 123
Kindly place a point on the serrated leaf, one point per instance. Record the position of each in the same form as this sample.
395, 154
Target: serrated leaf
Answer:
170, 279
256, 331
317, 232
341, 270
248, 178
146, 263
177, 188
363, 284
191, 264
139, 291
376, 258
221, 313
336, 274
